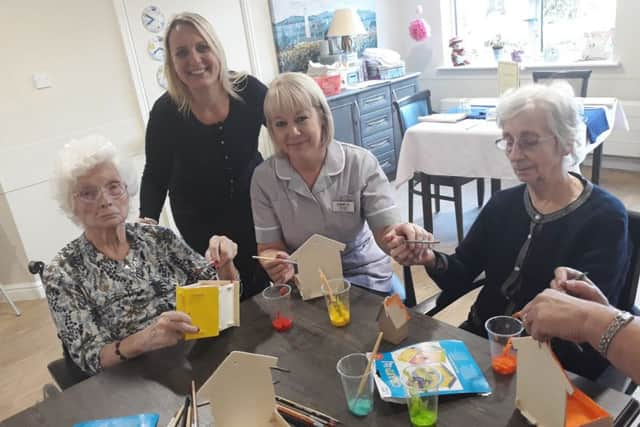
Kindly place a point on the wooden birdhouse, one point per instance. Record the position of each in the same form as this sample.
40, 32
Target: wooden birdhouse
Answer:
393, 319
318, 252
545, 396
247, 375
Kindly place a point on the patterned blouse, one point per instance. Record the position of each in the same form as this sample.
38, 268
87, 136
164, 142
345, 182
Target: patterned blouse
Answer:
95, 300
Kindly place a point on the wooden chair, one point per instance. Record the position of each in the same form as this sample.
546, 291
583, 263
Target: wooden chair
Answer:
64, 371
408, 110
579, 80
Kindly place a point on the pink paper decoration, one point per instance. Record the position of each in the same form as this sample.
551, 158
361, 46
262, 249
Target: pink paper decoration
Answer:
418, 29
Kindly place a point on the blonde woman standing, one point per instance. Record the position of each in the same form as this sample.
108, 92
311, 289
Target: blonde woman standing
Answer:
202, 144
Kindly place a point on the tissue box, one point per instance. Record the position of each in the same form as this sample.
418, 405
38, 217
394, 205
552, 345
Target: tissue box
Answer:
330, 85
375, 71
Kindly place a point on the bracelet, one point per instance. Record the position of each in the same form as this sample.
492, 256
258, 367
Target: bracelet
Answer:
619, 322
120, 355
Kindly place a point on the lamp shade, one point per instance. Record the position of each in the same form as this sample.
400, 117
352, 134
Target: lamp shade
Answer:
345, 22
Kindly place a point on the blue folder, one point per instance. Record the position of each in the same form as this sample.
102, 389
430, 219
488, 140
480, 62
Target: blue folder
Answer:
596, 121
140, 420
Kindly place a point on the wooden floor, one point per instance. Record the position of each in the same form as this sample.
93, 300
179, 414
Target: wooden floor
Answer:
29, 342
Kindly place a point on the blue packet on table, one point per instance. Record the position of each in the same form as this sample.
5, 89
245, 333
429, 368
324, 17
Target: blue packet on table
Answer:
139, 420
478, 112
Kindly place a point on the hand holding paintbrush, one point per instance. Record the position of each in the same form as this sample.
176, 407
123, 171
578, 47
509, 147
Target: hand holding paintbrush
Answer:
410, 244
277, 264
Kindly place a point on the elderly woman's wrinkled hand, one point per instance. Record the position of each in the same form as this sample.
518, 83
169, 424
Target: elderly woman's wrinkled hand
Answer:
166, 330
554, 313
278, 271
409, 253
222, 251
575, 283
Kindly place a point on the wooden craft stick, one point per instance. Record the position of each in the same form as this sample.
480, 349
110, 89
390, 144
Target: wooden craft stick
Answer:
194, 404
173, 422
308, 410
368, 368
325, 282
268, 258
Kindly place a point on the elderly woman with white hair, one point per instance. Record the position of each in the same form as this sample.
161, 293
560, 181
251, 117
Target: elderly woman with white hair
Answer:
554, 218
315, 184
111, 291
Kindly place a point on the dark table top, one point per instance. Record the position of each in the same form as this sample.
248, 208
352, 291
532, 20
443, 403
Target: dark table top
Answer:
310, 350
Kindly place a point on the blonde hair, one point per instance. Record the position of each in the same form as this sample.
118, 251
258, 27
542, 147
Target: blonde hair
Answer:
79, 157
292, 92
232, 82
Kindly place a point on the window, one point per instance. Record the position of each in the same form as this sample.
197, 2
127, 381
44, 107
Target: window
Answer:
546, 31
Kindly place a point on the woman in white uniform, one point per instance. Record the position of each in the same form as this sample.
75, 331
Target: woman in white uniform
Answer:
315, 184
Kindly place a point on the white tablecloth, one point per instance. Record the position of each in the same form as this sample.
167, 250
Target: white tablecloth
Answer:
467, 148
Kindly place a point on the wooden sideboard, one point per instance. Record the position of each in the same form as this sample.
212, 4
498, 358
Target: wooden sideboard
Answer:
365, 117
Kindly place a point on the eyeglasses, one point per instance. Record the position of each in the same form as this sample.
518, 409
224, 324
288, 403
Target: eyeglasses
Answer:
525, 145
115, 190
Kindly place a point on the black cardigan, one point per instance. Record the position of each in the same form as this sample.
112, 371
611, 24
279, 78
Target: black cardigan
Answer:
589, 235
207, 170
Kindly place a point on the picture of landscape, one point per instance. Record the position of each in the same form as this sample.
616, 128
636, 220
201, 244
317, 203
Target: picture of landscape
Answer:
299, 26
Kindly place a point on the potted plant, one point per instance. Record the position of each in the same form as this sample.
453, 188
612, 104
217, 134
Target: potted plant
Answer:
497, 44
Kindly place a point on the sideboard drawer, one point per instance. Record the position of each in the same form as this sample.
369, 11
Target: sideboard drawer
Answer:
380, 142
387, 162
374, 99
376, 121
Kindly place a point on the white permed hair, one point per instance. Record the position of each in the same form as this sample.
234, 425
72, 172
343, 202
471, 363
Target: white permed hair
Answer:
77, 158
561, 110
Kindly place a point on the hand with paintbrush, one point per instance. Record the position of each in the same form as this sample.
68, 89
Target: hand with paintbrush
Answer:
277, 264
410, 244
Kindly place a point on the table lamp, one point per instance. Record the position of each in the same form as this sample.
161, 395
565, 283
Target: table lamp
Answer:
346, 23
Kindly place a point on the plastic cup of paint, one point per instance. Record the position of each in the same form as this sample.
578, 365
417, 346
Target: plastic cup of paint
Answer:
421, 383
278, 303
500, 330
352, 369
338, 302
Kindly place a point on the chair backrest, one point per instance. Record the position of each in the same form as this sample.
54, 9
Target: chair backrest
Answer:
630, 289
578, 79
411, 107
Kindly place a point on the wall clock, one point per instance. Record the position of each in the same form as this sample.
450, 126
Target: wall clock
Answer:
153, 19
155, 47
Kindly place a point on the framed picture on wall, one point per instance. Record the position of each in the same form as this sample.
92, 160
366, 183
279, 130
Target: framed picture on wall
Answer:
299, 26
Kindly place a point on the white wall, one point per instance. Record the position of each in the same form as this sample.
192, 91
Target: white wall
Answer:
78, 44
622, 82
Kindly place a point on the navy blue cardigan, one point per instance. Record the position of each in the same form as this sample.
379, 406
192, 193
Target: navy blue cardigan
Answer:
519, 248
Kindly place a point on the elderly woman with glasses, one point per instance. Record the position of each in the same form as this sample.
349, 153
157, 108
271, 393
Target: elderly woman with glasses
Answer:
111, 291
554, 218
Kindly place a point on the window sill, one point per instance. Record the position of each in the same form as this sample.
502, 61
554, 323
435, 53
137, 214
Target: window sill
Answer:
538, 66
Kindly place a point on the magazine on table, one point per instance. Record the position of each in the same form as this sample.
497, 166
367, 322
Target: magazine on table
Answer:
460, 372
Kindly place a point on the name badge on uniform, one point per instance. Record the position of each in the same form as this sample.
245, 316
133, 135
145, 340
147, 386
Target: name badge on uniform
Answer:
343, 206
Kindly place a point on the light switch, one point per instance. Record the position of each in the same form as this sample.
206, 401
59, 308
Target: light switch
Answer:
41, 80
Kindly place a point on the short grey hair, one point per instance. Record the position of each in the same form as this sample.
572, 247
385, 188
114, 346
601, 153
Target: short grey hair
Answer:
80, 156
291, 92
561, 109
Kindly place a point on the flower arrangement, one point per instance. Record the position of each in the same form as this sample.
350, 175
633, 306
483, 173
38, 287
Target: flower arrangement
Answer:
496, 42
418, 29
